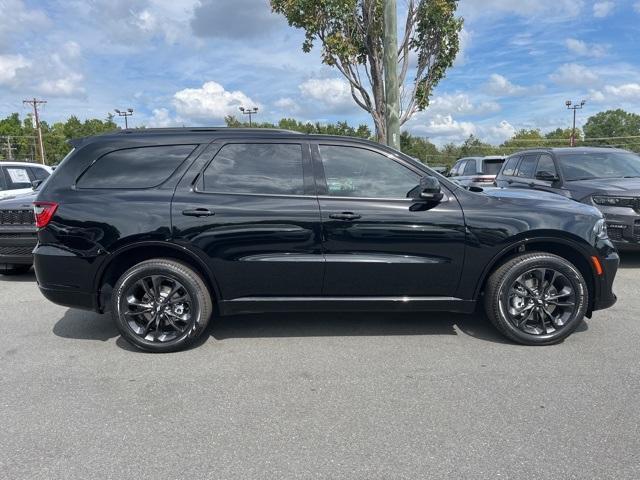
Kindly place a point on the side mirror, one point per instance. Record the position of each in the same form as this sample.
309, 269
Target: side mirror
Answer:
546, 177
36, 183
429, 190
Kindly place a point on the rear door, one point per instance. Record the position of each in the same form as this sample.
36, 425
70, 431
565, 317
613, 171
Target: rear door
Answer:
249, 208
526, 171
376, 241
546, 167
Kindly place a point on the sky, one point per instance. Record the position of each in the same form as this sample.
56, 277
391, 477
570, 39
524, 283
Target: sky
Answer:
191, 62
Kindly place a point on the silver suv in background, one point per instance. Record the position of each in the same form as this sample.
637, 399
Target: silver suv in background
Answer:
477, 171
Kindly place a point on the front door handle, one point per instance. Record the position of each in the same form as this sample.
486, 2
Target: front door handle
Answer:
345, 216
198, 212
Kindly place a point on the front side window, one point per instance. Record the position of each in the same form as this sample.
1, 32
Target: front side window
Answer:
455, 170
546, 167
141, 167
598, 164
527, 168
39, 173
261, 168
16, 177
358, 172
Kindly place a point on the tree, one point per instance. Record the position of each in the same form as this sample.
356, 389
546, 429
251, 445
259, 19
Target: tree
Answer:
613, 123
419, 147
563, 136
351, 32
340, 128
524, 139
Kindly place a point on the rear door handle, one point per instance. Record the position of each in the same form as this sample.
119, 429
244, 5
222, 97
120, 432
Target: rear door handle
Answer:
198, 212
345, 216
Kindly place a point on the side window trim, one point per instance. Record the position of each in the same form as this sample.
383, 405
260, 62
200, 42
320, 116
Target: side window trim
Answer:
321, 179
216, 146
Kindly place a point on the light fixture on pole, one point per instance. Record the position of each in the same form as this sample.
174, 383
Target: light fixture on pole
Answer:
249, 111
571, 106
125, 113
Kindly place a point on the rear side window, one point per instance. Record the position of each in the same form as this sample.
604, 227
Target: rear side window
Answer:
470, 168
510, 166
264, 168
141, 167
527, 168
491, 167
16, 177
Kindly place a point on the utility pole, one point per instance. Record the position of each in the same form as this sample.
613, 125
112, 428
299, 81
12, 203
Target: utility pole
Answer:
125, 113
34, 102
390, 62
577, 106
249, 111
10, 149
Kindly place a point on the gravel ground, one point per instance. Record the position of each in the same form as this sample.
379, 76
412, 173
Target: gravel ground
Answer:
356, 396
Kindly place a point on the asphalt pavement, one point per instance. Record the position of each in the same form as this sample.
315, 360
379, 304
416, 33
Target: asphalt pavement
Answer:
326, 396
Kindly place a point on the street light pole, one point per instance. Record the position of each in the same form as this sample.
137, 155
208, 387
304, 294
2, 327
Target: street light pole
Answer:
249, 111
574, 107
125, 113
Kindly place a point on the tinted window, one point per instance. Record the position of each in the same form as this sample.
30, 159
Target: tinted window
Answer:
491, 167
39, 173
16, 177
546, 166
256, 168
455, 170
598, 164
510, 167
470, 168
356, 172
527, 168
142, 167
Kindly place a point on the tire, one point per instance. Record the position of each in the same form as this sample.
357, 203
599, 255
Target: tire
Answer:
161, 305
12, 269
513, 295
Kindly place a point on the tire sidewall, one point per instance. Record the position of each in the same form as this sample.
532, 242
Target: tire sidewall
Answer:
118, 298
577, 283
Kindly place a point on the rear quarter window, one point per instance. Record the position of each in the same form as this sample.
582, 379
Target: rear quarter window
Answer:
140, 167
510, 166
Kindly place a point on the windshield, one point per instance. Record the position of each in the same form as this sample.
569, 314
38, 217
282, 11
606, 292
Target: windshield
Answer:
590, 165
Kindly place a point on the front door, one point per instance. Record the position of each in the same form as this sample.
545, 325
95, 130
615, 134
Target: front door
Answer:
376, 241
249, 208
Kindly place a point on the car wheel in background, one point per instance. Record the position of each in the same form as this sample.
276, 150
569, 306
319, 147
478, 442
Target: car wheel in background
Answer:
536, 298
161, 305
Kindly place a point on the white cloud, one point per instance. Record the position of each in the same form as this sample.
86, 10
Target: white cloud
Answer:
465, 42
627, 91
334, 93
574, 75
443, 128
500, 86
603, 9
525, 8
63, 86
211, 102
10, 66
16, 19
161, 118
496, 134
287, 105
460, 104
578, 47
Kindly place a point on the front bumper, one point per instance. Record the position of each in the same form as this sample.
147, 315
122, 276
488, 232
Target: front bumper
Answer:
623, 228
17, 244
604, 296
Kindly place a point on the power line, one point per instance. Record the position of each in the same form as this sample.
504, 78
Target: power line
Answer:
34, 102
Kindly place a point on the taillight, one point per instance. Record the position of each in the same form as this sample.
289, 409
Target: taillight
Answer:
44, 212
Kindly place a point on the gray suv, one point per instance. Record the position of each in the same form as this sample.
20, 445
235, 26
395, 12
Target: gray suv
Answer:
608, 178
476, 171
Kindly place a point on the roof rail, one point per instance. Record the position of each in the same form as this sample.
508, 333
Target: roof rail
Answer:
205, 130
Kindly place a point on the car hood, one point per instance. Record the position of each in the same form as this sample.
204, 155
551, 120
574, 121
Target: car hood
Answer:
539, 199
623, 186
18, 202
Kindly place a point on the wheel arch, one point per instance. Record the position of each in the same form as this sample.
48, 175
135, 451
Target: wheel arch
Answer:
575, 251
125, 257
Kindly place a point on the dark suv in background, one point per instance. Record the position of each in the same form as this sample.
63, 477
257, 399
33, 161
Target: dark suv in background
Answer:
606, 178
165, 227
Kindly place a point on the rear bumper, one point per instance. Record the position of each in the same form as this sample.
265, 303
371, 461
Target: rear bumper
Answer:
65, 278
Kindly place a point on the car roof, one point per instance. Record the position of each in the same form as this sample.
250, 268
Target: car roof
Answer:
22, 164
563, 150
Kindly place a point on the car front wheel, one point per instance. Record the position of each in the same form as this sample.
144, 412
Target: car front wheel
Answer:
161, 305
536, 298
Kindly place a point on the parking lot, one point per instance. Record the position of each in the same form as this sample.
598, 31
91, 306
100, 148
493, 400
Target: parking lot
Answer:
318, 396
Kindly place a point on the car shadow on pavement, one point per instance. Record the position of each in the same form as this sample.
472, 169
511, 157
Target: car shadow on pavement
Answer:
630, 260
341, 324
84, 325
30, 276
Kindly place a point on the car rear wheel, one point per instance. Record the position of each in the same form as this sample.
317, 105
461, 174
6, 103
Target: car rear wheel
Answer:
161, 305
536, 298
12, 269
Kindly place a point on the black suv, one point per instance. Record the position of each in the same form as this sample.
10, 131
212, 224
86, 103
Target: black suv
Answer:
166, 227
607, 178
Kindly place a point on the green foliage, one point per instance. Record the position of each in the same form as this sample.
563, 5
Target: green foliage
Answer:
613, 123
418, 147
340, 128
351, 36
55, 137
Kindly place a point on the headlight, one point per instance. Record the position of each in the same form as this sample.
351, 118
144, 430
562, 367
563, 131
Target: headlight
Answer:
610, 201
600, 229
